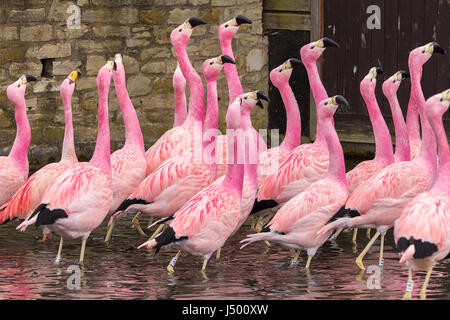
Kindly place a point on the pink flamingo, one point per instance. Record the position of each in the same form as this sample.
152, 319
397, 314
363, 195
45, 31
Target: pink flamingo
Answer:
14, 167
422, 233
169, 187
204, 223
306, 163
180, 139
227, 31
79, 199
296, 224
179, 88
127, 164
28, 197
413, 126
270, 159
379, 201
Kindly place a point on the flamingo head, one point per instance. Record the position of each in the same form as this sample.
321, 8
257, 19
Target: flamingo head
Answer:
118, 72
419, 56
16, 90
367, 85
228, 29
213, 66
180, 36
329, 106
281, 74
312, 51
437, 105
68, 85
105, 73
251, 99
391, 85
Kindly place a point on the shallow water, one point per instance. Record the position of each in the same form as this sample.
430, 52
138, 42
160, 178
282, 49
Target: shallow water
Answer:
120, 271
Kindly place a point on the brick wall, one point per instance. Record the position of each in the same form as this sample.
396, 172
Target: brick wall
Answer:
35, 39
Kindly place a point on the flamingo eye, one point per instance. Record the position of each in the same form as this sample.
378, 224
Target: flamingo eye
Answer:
226, 26
211, 63
393, 81
423, 51
179, 30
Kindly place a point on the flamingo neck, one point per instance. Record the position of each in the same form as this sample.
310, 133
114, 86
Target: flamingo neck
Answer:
196, 100
133, 133
179, 90
383, 142
68, 148
319, 93
231, 73
21, 144
442, 182
211, 123
250, 138
234, 177
293, 122
336, 167
428, 148
412, 120
102, 152
402, 148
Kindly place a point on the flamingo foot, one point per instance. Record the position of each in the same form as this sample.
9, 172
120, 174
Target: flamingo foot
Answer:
137, 225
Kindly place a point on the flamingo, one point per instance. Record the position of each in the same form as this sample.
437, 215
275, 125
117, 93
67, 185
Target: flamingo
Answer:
180, 139
204, 223
379, 201
79, 199
14, 167
269, 160
173, 183
227, 31
128, 164
179, 88
306, 163
422, 233
296, 224
413, 126
28, 197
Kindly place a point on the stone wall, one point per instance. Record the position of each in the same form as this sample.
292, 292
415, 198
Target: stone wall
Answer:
35, 39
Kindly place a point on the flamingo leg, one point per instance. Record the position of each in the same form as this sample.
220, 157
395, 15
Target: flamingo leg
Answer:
157, 231
355, 232
58, 256
368, 233
150, 221
44, 238
363, 253
205, 262
109, 232
137, 225
308, 263
252, 226
335, 235
171, 265
381, 260
258, 221
294, 260
262, 222
409, 286
218, 253
423, 291
83, 249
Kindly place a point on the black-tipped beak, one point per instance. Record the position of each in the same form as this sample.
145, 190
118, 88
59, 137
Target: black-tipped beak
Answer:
196, 22
342, 101
30, 78
261, 96
327, 42
240, 19
295, 62
114, 66
405, 75
437, 48
379, 70
227, 59
260, 104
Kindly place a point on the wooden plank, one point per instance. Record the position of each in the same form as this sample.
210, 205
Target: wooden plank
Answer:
377, 56
287, 5
431, 67
404, 47
286, 21
316, 33
442, 37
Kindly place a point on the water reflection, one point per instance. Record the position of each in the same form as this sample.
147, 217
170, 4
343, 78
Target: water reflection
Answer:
120, 271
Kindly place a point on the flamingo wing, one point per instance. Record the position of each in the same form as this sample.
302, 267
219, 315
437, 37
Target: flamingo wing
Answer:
363, 171
11, 178
269, 161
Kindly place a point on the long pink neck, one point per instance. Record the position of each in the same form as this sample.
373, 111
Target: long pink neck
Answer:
68, 148
251, 143
234, 177
402, 149
23, 136
211, 122
179, 90
102, 152
442, 182
383, 142
293, 123
412, 120
196, 98
133, 133
319, 93
231, 73
428, 149
336, 166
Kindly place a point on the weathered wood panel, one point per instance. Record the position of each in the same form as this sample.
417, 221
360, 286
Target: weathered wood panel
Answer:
286, 20
287, 5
